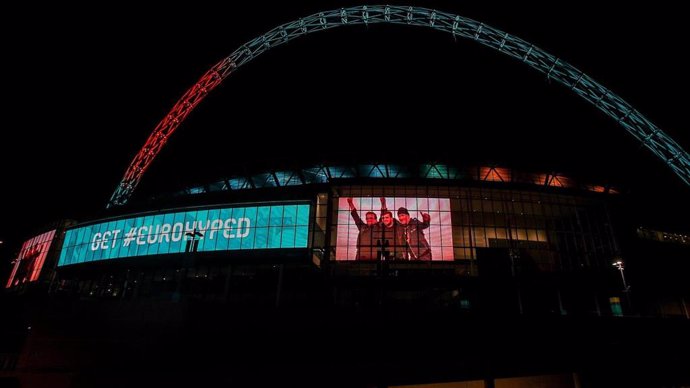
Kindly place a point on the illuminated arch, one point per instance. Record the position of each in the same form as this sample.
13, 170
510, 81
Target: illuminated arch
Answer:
637, 125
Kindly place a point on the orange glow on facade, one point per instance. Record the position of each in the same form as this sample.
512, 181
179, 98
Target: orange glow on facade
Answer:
560, 181
494, 174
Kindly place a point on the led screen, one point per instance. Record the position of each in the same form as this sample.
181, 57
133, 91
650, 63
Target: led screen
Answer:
394, 228
28, 265
246, 228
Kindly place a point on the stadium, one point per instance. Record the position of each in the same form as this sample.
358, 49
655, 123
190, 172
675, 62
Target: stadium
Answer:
406, 272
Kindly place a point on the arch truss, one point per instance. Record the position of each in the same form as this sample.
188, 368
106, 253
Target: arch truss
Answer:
554, 68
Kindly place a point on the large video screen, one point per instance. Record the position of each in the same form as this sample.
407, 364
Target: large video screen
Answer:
394, 228
236, 228
28, 265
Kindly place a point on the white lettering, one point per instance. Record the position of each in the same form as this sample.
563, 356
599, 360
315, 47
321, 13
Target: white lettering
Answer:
244, 233
141, 236
227, 232
203, 230
153, 236
115, 233
96, 242
177, 232
165, 230
215, 226
104, 241
130, 236
162, 232
187, 229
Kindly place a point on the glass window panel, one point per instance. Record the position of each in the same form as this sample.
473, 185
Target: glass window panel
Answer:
262, 216
230, 238
301, 234
260, 238
289, 215
303, 215
214, 215
275, 216
490, 233
479, 237
89, 252
274, 236
288, 238
460, 254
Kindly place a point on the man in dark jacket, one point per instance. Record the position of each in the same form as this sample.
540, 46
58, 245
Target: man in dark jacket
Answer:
369, 232
417, 246
393, 245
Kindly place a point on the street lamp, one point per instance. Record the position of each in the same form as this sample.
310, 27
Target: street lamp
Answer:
619, 264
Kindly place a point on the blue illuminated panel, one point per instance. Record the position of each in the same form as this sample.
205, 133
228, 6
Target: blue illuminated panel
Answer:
246, 228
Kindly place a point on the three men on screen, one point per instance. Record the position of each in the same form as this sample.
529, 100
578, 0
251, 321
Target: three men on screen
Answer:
391, 239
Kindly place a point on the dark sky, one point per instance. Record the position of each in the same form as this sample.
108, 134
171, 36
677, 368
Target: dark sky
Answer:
85, 92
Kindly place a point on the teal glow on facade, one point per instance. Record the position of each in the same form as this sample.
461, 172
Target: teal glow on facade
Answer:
220, 229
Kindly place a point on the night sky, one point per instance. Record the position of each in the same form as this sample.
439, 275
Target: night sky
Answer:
85, 93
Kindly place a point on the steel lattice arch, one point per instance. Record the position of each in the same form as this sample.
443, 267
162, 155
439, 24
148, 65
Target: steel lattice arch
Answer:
605, 100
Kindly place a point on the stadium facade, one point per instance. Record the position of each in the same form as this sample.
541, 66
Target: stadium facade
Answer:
510, 223
532, 251
356, 275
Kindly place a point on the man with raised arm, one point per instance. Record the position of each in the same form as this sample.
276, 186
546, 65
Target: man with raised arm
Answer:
369, 233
